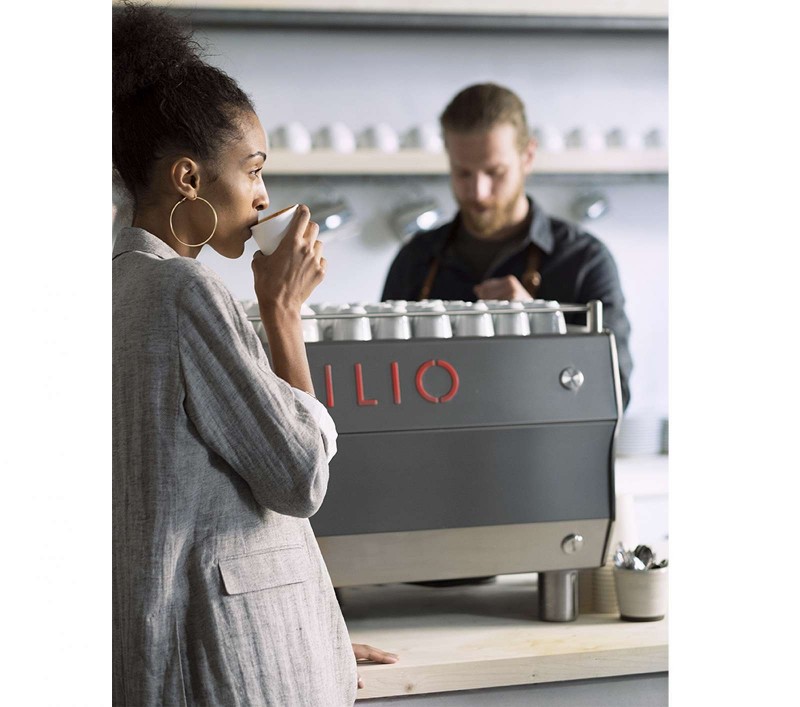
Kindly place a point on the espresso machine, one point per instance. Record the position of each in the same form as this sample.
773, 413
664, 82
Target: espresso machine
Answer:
474, 439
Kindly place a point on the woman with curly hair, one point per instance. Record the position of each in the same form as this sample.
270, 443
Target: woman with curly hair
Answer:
220, 593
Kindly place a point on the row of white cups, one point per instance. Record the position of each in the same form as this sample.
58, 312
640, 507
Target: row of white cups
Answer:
435, 319
339, 137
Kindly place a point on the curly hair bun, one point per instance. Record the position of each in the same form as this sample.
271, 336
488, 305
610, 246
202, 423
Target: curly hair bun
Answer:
165, 97
149, 47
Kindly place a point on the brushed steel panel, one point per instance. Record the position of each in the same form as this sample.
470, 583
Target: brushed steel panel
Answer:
451, 553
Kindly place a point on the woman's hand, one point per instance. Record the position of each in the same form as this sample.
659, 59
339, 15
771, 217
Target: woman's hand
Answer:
363, 652
283, 281
286, 279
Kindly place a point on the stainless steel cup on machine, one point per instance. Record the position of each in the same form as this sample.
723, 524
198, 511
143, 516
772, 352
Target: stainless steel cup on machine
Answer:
470, 455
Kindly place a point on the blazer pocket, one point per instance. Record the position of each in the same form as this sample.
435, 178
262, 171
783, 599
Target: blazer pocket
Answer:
263, 570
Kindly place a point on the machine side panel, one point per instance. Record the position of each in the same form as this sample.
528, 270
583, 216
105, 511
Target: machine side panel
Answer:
459, 478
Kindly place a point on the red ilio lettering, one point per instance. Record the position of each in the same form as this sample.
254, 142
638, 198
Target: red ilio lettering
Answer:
396, 382
360, 389
450, 394
329, 385
394, 368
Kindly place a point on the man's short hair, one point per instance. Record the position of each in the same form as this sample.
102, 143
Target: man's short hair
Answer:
481, 107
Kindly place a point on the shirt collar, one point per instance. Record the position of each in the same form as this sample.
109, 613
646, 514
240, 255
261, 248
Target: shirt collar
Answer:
137, 239
539, 232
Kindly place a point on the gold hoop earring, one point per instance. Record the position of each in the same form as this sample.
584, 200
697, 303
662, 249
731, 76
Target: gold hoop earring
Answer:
175, 235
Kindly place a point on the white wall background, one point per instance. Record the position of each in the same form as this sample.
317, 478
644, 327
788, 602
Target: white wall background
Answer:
406, 78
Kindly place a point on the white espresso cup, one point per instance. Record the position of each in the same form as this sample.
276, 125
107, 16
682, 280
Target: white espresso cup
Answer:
352, 328
546, 322
326, 325
435, 326
559, 323
394, 327
510, 323
271, 229
474, 324
310, 326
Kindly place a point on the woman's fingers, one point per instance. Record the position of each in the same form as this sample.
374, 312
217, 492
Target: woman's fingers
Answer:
312, 231
300, 220
363, 651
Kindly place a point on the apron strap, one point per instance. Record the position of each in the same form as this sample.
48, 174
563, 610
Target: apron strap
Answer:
429, 278
531, 278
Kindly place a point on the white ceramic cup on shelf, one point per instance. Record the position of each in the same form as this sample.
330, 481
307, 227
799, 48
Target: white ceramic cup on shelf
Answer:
548, 138
426, 136
585, 137
337, 137
575, 139
270, 230
292, 136
618, 138
654, 139
594, 139
381, 136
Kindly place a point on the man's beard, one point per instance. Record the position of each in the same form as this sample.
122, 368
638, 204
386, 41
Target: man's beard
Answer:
487, 223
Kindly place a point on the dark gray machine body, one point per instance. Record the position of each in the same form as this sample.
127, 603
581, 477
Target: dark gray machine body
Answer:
467, 456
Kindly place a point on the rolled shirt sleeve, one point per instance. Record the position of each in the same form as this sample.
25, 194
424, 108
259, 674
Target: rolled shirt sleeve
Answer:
321, 416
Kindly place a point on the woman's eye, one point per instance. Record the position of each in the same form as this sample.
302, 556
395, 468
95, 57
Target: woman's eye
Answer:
256, 172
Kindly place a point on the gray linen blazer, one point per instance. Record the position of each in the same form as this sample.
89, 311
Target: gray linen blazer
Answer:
220, 593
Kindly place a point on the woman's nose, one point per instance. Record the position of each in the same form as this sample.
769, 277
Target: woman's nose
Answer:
262, 198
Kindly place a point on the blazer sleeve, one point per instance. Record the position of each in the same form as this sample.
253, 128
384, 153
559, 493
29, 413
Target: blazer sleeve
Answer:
242, 410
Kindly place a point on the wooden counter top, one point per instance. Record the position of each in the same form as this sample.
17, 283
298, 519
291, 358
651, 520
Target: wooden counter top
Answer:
463, 638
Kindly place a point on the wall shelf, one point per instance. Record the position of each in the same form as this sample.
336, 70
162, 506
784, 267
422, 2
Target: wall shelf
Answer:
503, 15
418, 162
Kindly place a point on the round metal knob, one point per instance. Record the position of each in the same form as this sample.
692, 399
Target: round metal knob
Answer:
572, 543
571, 378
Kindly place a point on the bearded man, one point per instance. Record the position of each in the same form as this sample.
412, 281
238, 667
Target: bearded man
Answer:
501, 244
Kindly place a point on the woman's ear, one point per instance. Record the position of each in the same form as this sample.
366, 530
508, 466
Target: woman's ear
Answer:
185, 177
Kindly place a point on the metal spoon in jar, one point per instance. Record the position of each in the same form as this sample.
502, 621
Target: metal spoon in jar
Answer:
645, 555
